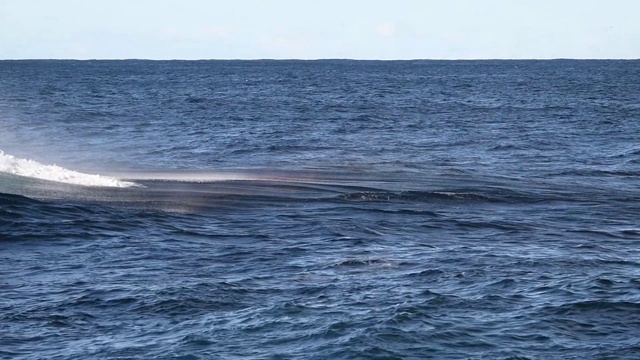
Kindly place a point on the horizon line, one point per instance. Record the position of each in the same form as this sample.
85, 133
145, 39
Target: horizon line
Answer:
317, 59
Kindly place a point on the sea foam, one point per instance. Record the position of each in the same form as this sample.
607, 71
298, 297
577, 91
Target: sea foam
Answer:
33, 169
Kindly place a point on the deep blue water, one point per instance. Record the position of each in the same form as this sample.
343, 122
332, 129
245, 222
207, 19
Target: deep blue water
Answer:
322, 210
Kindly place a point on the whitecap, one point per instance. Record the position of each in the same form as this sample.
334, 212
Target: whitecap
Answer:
33, 169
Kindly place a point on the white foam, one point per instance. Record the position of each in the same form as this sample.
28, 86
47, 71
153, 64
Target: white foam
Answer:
30, 168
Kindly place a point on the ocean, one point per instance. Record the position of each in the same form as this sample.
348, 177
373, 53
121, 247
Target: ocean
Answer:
329, 209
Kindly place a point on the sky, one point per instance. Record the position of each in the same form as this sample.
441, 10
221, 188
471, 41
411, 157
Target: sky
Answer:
319, 29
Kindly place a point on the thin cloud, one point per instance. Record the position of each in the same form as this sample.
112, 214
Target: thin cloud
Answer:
214, 32
386, 29
171, 32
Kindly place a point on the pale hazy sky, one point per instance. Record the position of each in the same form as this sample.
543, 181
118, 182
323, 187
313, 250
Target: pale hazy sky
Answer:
312, 29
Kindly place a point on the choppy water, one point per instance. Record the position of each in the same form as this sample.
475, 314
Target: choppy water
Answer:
320, 209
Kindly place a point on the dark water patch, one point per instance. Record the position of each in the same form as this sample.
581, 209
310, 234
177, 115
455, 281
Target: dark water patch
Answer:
363, 263
614, 234
195, 99
604, 308
429, 273
419, 196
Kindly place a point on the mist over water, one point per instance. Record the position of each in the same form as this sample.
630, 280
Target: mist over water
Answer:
319, 209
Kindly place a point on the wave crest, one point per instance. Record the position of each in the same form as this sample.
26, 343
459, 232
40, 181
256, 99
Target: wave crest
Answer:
33, 169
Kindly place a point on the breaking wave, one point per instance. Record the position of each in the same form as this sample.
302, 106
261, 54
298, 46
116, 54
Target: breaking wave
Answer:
33, 169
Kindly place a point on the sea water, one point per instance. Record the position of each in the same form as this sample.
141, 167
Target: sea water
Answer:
320, 209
